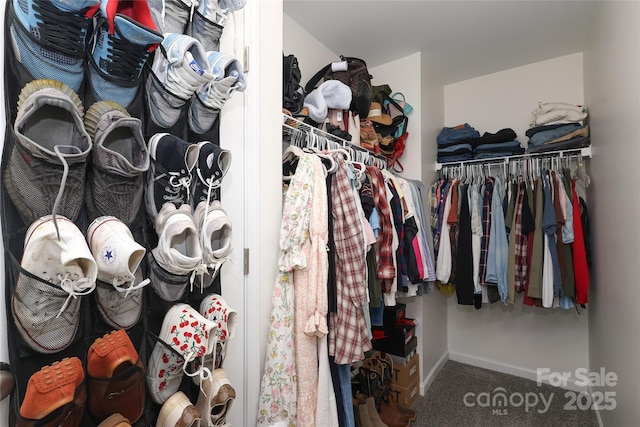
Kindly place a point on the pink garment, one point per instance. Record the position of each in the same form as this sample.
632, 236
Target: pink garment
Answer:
311, 300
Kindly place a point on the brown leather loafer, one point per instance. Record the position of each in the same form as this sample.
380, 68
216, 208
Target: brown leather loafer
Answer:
7, 380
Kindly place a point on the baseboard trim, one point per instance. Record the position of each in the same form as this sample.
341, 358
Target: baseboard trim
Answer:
505, 368
428, 380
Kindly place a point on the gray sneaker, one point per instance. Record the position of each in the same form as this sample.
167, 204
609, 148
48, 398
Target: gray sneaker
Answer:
171, 16
50, 137
207, 24
179, 68
205, 107
120, 282
118, 162
57, 267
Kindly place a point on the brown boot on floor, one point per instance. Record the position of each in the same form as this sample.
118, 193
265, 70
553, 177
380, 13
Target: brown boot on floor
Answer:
387, 375
372, 381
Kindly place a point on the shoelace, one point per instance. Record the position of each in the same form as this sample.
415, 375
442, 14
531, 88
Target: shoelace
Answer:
217, 98
202, 373
174, 11
125, 58
117, 282
200, 270
74, 287
62, 31
177, 184
63, 183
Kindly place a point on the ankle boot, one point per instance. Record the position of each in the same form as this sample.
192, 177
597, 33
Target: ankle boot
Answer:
388, 415
387, 376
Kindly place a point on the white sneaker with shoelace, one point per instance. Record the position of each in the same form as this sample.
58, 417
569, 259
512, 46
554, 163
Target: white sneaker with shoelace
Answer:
118, 256
185, 335
215, 231
56, 268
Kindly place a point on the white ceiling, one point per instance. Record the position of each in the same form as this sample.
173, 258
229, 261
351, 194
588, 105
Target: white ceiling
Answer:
458, 39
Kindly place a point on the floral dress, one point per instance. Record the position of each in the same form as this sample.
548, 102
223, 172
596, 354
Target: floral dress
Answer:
278, 388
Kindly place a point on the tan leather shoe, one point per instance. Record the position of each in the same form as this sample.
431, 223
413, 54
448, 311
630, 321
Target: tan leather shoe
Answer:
115, 420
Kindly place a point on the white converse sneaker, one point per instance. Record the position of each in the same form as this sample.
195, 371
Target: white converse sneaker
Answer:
118, 255
215, 398
214, 308
185, 335
215, 230
60, 267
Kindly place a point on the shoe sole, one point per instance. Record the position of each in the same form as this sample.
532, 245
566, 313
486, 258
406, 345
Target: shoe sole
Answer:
171, 404
96, 111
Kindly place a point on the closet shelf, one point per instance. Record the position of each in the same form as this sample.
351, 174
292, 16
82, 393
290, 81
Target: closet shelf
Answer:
368, 156
583, 152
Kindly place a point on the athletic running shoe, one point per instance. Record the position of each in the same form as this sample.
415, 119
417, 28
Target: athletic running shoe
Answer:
210, 98
215, 230
118, 162
49, 138
178, 253
179, 411
207, 24
178, 70
172, 16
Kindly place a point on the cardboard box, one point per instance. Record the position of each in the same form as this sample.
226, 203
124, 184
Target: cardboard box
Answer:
406, 395
403, 360
403, 375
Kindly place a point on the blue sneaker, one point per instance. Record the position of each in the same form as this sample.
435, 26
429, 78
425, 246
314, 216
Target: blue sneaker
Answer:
49, 36
123, 40
179, 69
210, 98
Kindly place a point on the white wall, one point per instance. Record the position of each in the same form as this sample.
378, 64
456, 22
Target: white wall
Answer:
263, 186
406, 75
434, 307
506, 99
403, 75
612, 89
312, 55
517, 339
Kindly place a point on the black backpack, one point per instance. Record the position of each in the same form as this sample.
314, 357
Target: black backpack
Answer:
293, 92
356, 76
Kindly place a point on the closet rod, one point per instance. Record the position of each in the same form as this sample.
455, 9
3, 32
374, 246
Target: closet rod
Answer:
341, 141
584, 152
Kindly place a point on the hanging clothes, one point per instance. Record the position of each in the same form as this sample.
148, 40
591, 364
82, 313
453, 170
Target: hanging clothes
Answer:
278, 388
